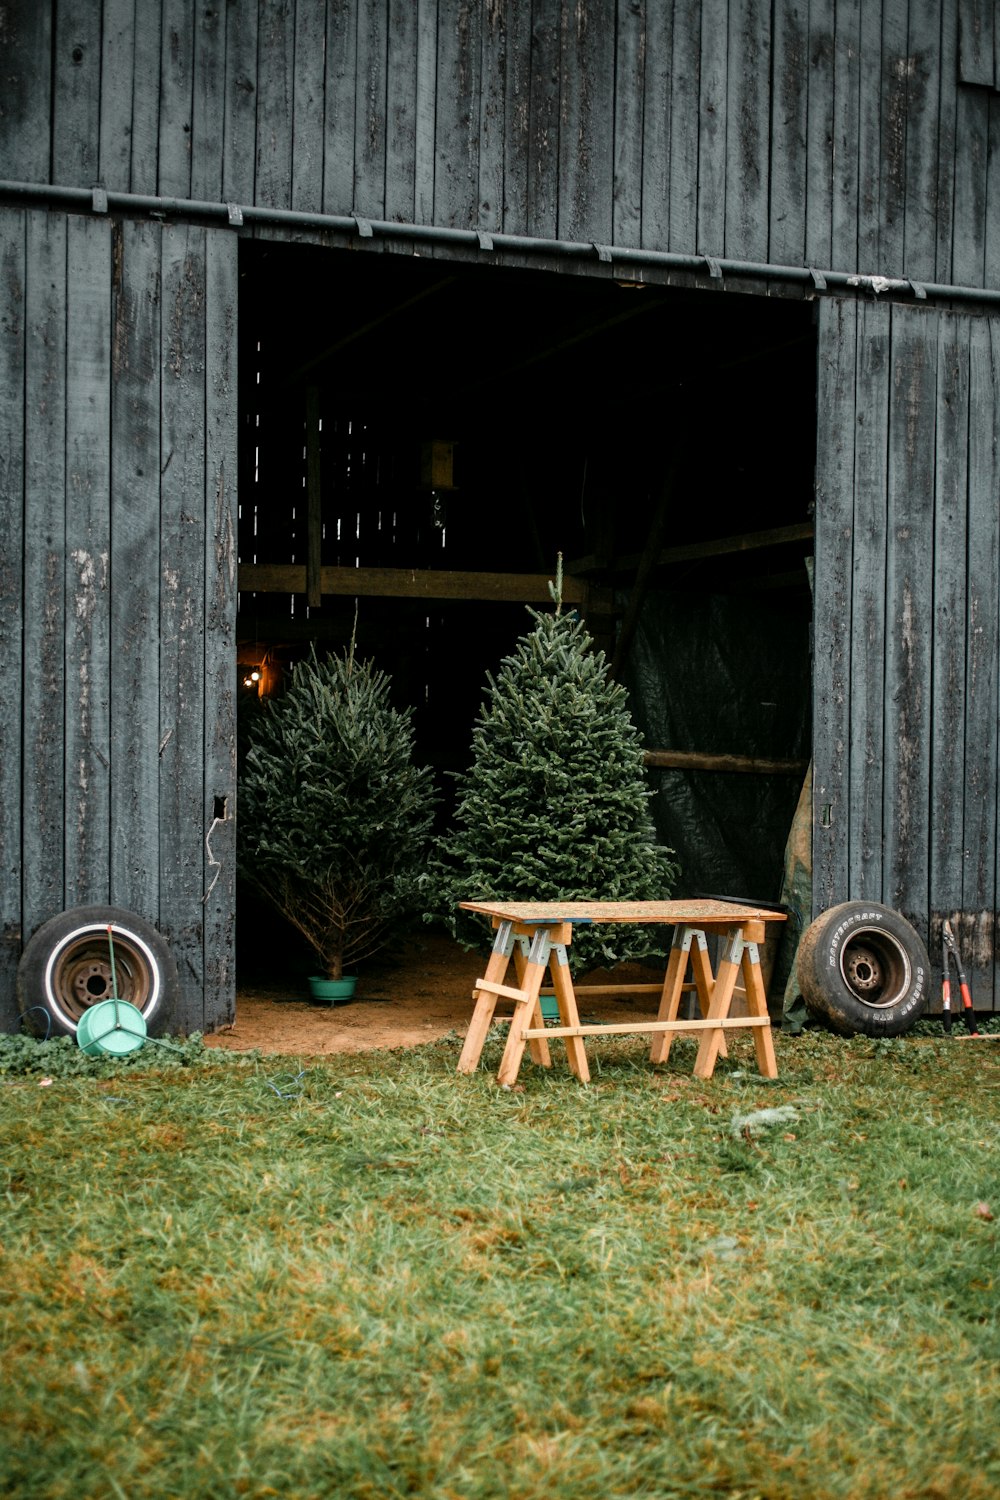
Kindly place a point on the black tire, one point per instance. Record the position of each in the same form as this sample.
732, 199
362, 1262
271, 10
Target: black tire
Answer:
863, 970
71, 963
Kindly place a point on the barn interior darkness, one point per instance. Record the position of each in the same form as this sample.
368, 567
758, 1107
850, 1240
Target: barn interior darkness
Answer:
426, 416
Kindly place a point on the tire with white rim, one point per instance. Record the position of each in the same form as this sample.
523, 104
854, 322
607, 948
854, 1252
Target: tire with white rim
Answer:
863, 969
90, 954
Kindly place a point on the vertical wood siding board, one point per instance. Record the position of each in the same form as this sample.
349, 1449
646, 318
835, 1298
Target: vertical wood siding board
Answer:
712, 183
748, 112
948, 148
44, 618
969, 241
239, 111
517, 116
892, 177
995, 369
221, 289
871, 425
25, 103
543, 122
13, 314
145, 138
789, 114
456, 165
88, 518
176, 97
948, 697
870, 139
846, 135
923, 105
117, 64
906, 810
275, 103
834, 543
492, 116
401, 127
426, 110
981, 707
308, 104
629, 113
685, 133
586, 126
208, 101
135, 566
819, 136
341, 106
182, 605
654, 183
76, 93
992, 213
976, 28
369, 125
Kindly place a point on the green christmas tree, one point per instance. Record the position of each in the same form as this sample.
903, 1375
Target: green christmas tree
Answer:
555, 805
333, 815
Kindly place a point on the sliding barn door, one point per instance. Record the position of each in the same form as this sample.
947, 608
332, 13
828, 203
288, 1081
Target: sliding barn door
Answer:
906, 626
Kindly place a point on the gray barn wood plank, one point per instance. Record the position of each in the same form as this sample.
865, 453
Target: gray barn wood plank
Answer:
892, 133
401, 123
819, 140
991, 276
969, 239
427, 70
340, 106
275, 103
88, 477
239, 109
907, 810
586, 121
655, 126
979, 903
76, 93
492, 117
923, 104
145, 136
370, 109
747, 136
995, 369
25, 112
135, 568
517, 115
208, 97
308, 106
870, 141
221, 298
976, 27
176, 98
685, 99
117, 72
43, 798
456, 159
182, 607
629, 108
868, 625
948, 709
836, 385
789, 115
543, 121
947, 146
712, 184
13, 256
846, 136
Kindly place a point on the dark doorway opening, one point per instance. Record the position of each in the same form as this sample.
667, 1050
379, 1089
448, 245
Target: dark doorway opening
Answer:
421, 437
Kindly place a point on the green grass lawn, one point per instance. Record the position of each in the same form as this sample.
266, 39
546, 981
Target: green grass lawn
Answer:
380, 1279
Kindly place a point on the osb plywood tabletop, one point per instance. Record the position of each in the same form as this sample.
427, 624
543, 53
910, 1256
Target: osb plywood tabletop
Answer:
665, 913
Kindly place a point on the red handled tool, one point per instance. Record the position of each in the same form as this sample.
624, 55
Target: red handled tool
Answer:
949, 951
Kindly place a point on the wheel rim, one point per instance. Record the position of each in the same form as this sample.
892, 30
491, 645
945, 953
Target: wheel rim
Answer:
875, 967
89, 967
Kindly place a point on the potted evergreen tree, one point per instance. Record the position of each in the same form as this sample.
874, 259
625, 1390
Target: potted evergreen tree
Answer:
334, 816
555, 805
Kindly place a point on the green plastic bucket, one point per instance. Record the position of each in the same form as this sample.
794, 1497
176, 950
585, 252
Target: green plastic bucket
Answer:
113, 1026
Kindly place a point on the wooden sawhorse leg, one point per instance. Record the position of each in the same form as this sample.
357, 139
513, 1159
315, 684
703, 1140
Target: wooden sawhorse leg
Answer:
741, 956
689, 946
490, 989
547, 951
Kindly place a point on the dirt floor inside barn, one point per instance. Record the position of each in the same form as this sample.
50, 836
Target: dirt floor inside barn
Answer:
403, 1000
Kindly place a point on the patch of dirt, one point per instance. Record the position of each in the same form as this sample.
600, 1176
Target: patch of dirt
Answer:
415, 997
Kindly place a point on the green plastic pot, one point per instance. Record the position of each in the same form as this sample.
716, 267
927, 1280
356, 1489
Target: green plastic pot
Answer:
113, 1026
331, 991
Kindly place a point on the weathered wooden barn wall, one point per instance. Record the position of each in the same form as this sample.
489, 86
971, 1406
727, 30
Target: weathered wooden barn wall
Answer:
118, 584
907, 624
849, 134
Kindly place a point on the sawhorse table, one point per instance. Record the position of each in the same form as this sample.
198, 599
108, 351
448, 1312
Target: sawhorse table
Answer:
537, 934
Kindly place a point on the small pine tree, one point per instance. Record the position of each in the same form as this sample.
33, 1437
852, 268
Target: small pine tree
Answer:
555, 805
333, 815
